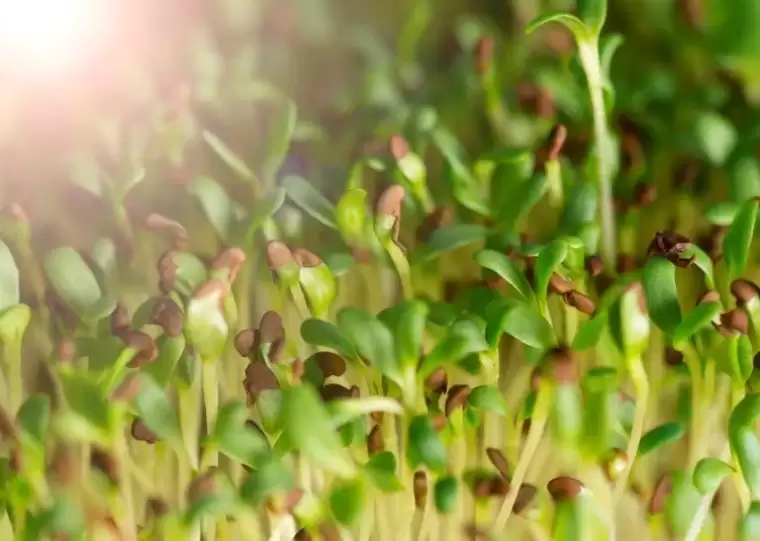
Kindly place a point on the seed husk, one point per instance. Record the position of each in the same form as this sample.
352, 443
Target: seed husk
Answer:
246, 342
375, 441
278, 255
735, 320
644, 194
127, 389
270, 327
306, 259
330, 363
103, 461
626, 263
202, 486
157, 507
120, 321
559, 285
564, 488
709, 296
671, 245
231, 259
580, 302
276, 350
557, 139
615, 464
562, 364
302, 535
525, 497
259, 377
143, 344
660, 493
484, 48
498, 486
333, 391
168, 315
499, 461
420, 489
594, 265
744, 291
141, 432
389, 203
437, 381
398, 146
673, 357
456, 398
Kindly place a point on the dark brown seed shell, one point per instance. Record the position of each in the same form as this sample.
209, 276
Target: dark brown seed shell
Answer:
103, 461
168, 315
271, 327
709, 296
564, 488
660, 494
499, 461
231, 259
744, 291
157, 507
563, 366
141, 432
389, 203
735, 320
398, 146
246, 341
333, 391
202, 486
673, 357
594, 265
420, 488
498, 487
143, 344
437, 381
120, 320
330, 363
278, 255
276, 350
580, 302
306, 259
258, 378
302, 535
456, 397
375, 441
525, 497
559, 285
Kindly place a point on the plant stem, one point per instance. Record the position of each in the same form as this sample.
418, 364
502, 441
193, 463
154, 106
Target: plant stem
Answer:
641, 386
536, 432
122, 450
402, 268
588, 51
697, 523
15, 381
211, 406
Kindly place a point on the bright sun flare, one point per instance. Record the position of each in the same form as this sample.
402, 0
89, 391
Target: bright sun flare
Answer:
45, 32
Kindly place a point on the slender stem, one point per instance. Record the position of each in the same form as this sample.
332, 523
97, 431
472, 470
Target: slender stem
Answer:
15, 381
588, 51
402, 268
125, 481
211, 406
697, 523
536, 432
641, 386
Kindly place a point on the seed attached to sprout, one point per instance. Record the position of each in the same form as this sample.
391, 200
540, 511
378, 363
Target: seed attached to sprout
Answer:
420, 489
564, 488
456, 398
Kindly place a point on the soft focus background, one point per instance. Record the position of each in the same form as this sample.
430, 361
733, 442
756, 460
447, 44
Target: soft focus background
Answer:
102, 105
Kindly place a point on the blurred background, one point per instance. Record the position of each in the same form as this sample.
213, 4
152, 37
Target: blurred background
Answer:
108, 106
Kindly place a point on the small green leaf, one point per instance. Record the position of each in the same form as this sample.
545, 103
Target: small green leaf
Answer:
590, 331
381, 469
549, 258
464, 337
9, 283
14, 323
307, 426
407, 322
593, 13
85, 398
487, 398
745, 445
659, 436
744, 183
308, 199
320, 333
347, 500
659, 280
722, 214
738, 240
191, 272
279, 137
371, 338
507, 269
170, 350
703, 262
749, 527
709, 473
217, 205
34, 418
234, 438
445, 494
716, 137
351, 216
424, 445
450, 238
228, 157
346, 410
696, 320
520, 320
520, 201
72, 279
152, 405
270, 478
63, 518
205, 326
264, 209
571, 22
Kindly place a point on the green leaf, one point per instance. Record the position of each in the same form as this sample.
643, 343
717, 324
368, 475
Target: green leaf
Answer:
749, 527
722, 214
191, 272
571, 22
507, 269
549, 258
520, 320
307, 426
580, 209
709, 473
445, 494
351, 216
464, 337
279, 137
347, 500
745, 445
744, 183
447, 239
205, 326
716, 137
593, 13
703, 262
738, 240
696, 320
659, 280
424, 445
9, 284
308, 199
371, 338
152, 405
72, 279
381, 470
320, 333
487, 398
346, 410
264, 209
170, 350
228, 157
34, 418
85, 398
520, 201
14, 323
217, 205
234, 438
590, 331
659, 436
63, 517
271, 477
407, 322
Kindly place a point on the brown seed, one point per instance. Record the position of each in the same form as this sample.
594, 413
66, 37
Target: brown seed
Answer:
661, 492
278, 255
331, 364
439, 421
594, 265
534, 99
141, 432
329, 532
145, 347
673, 357
709, 296
644, 194
398, 146
306, 259
484, 49
420, 488
202, 486
8, 428
671, 245
626, 263
556, 140
127, 389
298, 369
168, 315
580, 302
389, 203
564, 488
525, 497
333, 391
103, 461
276, 350
302, 535
563, 366
499, 461
735, 320
120, 320
270, 327
246, 341
482, 487
157, 222
498, 486
259, 377
473, 533
456, 397
615, 464
744, 291
375, 441
157, 507
17, 460
64, 464
437, 381
559, 284
231, 259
